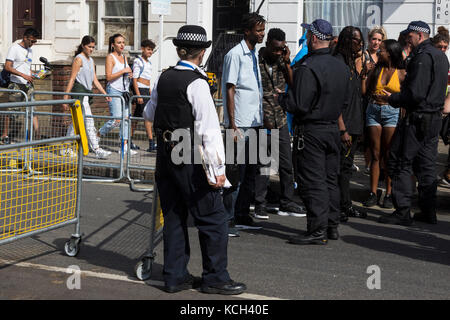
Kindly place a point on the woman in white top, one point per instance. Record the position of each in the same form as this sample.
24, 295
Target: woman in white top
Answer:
118, 75
82, 80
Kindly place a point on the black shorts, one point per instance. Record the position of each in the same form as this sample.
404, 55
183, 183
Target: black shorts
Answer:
140, 107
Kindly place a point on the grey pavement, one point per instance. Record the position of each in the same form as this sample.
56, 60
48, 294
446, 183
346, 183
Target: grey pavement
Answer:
413, 261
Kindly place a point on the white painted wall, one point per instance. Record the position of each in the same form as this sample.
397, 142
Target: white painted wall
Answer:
398, 13
286, 15
65, 22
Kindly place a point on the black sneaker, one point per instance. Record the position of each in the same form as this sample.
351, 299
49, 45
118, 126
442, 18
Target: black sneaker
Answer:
151, 146
371, 200
134, 147
246, 222
232, 230
352, 212
293, 210
6, 140
343, 217
260, 212
387, 202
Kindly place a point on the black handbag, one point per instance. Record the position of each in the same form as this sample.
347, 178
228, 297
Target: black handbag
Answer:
126, 95
445, 133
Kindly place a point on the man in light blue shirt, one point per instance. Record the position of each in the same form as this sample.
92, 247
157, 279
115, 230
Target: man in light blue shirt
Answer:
242, 96
242, 78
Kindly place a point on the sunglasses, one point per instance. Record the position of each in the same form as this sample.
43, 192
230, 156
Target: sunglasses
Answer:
442, 47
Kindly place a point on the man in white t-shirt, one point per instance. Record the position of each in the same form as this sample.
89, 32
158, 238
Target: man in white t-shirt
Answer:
18, 64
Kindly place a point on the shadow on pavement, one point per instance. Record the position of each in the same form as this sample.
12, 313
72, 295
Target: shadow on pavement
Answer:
423, 245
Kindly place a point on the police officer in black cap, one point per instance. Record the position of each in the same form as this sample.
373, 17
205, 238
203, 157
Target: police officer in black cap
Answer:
317, 98
415, 143
181, 103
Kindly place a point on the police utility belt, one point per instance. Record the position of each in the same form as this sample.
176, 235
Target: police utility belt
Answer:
299, 131
168, 140
421, 120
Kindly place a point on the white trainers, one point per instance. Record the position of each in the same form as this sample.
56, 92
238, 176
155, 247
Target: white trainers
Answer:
293, 210
67, 152
102, 154
125, 150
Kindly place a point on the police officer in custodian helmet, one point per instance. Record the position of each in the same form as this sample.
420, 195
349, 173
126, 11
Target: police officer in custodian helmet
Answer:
181, 100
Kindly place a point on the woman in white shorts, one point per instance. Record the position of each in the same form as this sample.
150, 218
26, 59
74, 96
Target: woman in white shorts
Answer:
82, 80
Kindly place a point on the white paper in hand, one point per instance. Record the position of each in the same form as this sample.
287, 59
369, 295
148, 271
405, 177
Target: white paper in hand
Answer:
210, 169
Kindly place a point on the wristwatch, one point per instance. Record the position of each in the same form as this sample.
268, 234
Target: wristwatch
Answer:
343, 132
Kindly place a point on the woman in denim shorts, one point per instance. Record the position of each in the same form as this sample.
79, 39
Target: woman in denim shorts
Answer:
381, 118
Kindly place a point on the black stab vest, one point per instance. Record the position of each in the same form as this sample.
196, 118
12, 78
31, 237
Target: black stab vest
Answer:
173, 110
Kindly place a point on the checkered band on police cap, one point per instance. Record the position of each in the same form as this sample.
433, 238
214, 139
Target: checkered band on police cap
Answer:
322, 29
417, 26
197, 37
419, 29
319, 35
192, 36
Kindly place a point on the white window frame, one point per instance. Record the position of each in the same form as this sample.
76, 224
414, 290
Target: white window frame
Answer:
137, 17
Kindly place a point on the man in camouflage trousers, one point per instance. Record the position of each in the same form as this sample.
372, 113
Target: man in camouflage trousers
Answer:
276, 72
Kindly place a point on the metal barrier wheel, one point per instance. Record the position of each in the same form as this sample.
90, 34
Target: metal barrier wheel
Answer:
72, 247
143, 269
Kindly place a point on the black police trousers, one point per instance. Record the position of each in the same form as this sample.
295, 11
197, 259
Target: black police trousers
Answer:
318, 169
414, 150
346, 171
182, 189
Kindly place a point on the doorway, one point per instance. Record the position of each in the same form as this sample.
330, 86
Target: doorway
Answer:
26, 14
227, 16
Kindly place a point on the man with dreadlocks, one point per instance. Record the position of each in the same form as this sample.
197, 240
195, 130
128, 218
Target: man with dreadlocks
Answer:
351, 122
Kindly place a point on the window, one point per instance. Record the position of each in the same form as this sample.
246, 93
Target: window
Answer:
93, 19
127, 17
363, 14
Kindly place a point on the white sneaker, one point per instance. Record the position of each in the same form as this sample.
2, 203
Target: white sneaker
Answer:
67, 152
102, 154
293, 210
125, 150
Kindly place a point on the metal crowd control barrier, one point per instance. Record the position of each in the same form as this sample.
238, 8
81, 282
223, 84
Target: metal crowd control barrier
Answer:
144, 160
49, 196
143, 268
107, 142
16, 118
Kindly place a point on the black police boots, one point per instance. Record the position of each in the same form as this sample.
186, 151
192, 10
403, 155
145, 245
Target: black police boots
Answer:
332, 233
228, 288
316, 237
397, 217
426, 217
190, 282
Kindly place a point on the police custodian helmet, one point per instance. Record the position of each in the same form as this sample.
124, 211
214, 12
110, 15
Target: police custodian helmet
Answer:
192, 36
